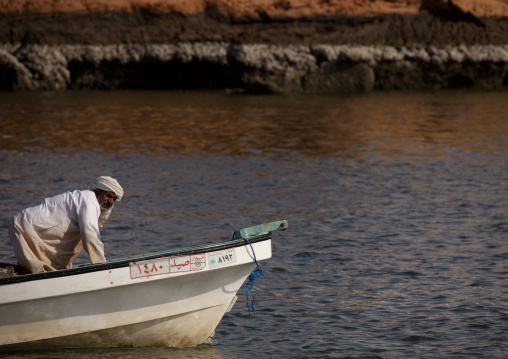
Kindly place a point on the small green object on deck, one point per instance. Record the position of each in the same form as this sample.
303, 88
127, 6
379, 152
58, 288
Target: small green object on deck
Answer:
261, 229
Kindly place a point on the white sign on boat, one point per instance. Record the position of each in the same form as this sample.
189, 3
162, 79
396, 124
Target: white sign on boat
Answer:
222, 258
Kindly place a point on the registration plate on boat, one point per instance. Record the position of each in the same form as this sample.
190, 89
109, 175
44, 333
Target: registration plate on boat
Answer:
149, 268
222, 258
168, 265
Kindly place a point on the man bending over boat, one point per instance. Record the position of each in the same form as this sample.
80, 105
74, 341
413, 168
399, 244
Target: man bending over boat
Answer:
50, 236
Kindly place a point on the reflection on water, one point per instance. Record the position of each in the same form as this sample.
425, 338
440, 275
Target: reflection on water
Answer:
396, 204
202, 352
241, 125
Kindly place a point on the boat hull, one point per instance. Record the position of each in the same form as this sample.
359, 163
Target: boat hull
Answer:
174, 331
124, 307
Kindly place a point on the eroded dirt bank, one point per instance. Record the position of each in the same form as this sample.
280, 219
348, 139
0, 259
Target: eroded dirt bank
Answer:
253, 46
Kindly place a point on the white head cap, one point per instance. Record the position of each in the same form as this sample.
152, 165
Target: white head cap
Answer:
107, 183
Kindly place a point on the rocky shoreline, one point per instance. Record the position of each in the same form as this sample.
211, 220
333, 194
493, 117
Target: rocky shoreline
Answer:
285, 48
253, 68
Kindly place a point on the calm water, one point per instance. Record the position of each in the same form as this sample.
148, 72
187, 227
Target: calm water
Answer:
397, 208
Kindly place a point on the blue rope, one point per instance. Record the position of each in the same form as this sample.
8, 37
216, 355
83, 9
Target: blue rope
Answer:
254, 274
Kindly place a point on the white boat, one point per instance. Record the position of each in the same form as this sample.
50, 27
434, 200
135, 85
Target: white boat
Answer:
173, 298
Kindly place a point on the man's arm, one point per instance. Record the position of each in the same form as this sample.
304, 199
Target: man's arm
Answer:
88, 210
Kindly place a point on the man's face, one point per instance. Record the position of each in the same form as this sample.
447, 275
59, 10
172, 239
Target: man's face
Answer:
106, 199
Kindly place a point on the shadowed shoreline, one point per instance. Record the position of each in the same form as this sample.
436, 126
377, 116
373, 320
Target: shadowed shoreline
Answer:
145, 49
254, 68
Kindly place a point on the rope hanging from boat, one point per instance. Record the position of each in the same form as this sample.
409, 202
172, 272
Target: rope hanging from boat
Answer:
254, 274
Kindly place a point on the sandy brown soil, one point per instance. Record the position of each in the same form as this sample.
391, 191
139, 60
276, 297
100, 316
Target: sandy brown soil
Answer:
365, 22
290, 8
273, 8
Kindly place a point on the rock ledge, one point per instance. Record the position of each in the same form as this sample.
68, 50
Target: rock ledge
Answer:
253, 68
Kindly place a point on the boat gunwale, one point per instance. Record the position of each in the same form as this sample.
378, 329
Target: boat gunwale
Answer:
125, 262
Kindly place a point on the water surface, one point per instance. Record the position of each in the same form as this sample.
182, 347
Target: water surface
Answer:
396, 204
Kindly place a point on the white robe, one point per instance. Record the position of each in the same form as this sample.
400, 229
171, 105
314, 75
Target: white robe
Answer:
49, 236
